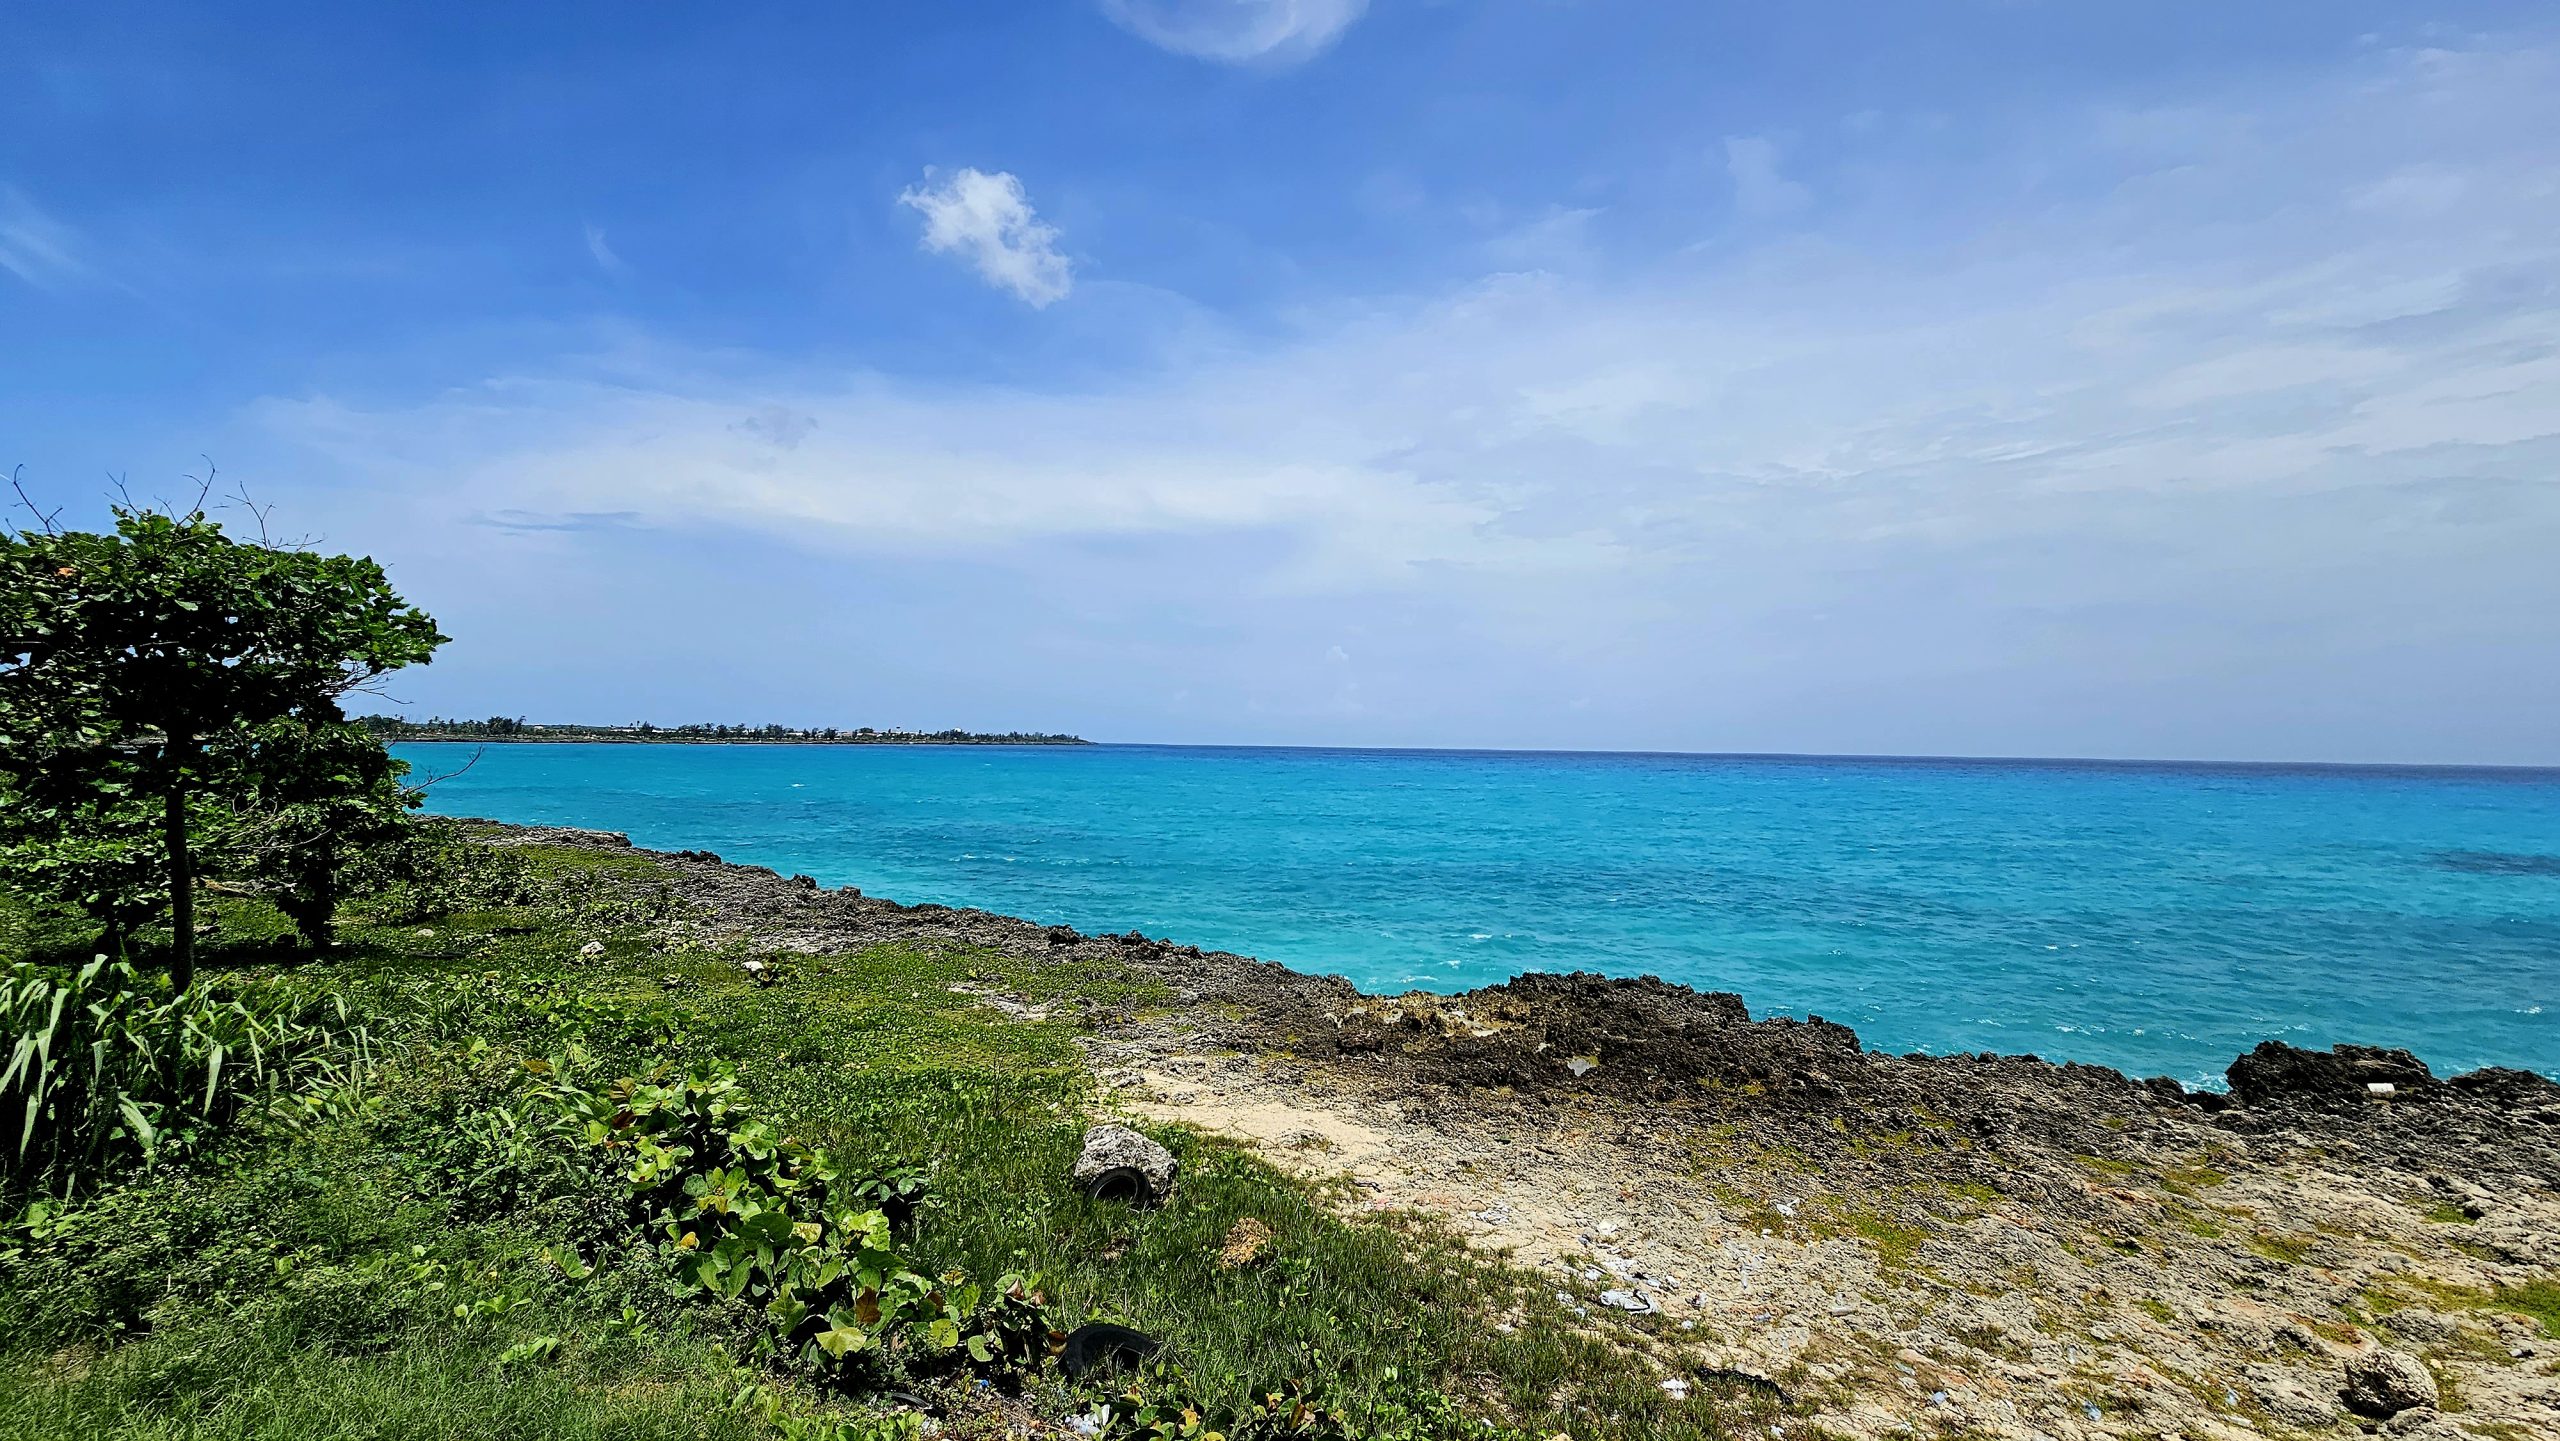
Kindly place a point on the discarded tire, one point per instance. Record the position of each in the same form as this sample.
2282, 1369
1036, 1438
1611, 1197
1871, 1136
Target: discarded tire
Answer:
1101, 1346
1118, 1164
1120, 1183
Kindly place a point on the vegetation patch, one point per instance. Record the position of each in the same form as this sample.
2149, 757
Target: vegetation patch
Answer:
2438, 1209
2198, 1173
2290, 1248
1895, 1242
490, 1182
2538, 1300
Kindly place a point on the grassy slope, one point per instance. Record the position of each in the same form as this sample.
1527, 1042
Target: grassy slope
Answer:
299, 1282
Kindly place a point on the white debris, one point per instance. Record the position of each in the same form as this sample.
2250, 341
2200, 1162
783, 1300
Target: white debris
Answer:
2380, 1088
1582, 1065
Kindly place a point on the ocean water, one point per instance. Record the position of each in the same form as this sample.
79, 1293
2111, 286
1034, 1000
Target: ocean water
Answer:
2156, 918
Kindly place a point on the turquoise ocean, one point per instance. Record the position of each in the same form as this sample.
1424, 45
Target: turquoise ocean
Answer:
2157, 918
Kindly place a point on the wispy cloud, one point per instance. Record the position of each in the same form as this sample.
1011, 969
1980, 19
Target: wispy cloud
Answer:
1759, 189
533, 522
987, 220
35, 247
2098, 459
777, 425
1534, 423
1265, 32
606, 260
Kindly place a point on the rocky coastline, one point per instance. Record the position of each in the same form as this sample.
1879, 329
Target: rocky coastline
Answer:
1888, 1245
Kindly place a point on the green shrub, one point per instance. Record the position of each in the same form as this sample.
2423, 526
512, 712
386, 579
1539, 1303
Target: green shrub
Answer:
433, 869
107, 1065
751, 1215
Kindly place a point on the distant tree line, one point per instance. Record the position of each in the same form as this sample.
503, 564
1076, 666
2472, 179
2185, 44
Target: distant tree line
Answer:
503, 728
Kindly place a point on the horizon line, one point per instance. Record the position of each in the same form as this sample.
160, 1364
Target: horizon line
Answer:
2528, 767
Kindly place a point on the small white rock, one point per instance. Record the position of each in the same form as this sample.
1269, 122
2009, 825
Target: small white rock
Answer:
592, 948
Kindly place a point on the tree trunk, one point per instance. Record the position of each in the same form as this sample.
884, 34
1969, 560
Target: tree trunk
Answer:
182, 875
311, 903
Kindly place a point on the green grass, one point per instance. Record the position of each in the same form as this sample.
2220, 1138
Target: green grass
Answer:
2539, 1300
2288, 1248
268, 1286
590, 860
1894, 1242
2185, 1178
214, 1385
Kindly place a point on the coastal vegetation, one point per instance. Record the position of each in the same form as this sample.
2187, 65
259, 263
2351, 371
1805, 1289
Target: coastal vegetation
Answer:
170, 709
504, 1161
321, 1118
516, 729
317, 1118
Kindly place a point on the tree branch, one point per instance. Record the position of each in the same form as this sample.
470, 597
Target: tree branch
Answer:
44, 518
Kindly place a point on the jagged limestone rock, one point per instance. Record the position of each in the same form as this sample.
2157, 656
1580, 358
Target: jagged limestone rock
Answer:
2386, 1383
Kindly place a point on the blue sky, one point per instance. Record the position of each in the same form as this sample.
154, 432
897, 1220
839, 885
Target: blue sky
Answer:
2012, 378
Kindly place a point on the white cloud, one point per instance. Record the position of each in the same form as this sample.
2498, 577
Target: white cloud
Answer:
1759, 190
2095, 474
776, 425
605, 258
1267, 32
1558, 238
37, 248
988, 220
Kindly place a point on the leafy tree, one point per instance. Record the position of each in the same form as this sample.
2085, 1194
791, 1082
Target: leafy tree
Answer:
169, 670
321, 790
100, 851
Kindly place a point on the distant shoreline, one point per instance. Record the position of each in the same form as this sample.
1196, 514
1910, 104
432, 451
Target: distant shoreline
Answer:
663, 738
504, 730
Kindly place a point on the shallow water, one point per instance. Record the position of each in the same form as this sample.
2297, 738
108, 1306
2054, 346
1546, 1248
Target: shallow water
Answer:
2157, 918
